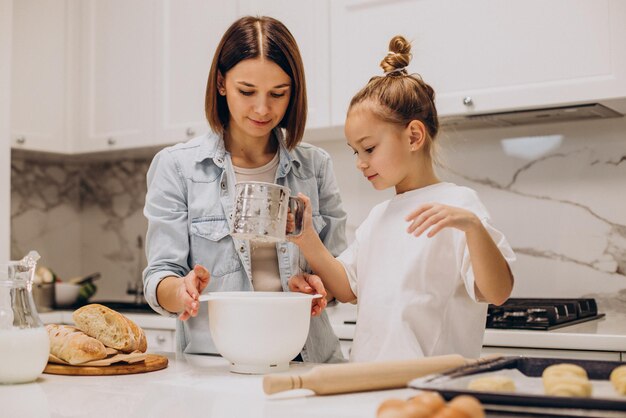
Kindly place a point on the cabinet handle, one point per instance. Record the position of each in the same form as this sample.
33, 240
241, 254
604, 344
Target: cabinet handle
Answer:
467, 101
190, 132
111, 141
20, 140
160, 339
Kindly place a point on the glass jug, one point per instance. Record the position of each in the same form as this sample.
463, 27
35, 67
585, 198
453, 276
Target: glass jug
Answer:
24, 342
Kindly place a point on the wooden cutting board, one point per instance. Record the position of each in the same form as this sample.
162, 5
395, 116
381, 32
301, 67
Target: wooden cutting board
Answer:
151, 363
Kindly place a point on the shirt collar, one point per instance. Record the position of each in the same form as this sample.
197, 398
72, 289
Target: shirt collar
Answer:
213, 147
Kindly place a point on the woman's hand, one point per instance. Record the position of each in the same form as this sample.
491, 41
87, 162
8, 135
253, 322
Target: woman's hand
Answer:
311, 285
189, 290
437, 216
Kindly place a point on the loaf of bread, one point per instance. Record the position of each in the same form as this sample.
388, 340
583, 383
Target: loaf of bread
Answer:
110, 327
74, 346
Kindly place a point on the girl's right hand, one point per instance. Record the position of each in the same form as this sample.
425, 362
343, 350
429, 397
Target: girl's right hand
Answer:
307, 222
190, 289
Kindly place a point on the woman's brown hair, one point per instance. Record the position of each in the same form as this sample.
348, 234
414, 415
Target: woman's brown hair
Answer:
240, 42
398, 97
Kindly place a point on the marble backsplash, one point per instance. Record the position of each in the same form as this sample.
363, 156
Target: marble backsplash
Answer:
557, 191
82, 217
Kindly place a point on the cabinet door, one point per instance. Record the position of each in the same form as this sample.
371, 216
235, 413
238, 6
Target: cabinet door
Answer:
308, 22
502, 55
39, 80
160, 340
189, 32
118, 49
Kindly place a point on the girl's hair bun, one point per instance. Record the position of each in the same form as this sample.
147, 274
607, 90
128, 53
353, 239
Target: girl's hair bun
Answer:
398, 57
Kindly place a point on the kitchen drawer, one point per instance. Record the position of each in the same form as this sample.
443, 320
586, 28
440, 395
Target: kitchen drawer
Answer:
160, 340
346, 346
550, 353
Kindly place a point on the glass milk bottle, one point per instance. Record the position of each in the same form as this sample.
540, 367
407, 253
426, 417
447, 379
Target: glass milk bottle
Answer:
24, 342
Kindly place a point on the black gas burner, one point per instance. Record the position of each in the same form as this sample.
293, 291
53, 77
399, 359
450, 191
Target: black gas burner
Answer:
541, 314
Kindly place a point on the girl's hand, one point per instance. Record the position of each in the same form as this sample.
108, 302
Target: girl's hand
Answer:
437, 216
189, 290
307, 223
311, 285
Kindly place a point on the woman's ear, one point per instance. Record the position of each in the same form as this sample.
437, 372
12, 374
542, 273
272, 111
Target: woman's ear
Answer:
221, 89
417, 135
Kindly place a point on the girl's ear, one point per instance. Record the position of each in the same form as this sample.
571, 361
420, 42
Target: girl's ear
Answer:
417, 135
220, 84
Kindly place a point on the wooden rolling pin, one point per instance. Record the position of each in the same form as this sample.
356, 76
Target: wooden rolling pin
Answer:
358, 377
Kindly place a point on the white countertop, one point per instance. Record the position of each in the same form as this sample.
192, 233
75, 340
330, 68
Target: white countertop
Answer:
190, 386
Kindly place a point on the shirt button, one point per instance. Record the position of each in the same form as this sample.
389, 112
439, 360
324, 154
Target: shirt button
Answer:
223, 186
219, 160
283, 250
242, 249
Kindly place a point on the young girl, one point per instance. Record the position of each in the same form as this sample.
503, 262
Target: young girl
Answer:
255, 90
422, 288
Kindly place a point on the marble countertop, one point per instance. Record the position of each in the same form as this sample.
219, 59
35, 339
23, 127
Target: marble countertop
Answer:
190, 386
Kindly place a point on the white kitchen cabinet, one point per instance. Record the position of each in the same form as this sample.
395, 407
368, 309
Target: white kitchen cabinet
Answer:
308, 22
160, 340
118, 74
188, 34
42, 65
485, 55
346, 346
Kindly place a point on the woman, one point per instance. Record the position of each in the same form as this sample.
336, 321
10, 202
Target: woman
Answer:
255, 90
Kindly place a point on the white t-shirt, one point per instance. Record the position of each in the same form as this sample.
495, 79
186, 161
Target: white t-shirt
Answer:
265, 272
416, 294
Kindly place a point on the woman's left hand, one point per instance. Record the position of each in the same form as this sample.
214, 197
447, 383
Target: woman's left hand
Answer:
311, 285
437, 216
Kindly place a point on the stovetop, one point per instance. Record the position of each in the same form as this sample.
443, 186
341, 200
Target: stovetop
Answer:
541, 314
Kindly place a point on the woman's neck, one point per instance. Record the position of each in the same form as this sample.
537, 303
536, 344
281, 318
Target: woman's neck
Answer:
247, 151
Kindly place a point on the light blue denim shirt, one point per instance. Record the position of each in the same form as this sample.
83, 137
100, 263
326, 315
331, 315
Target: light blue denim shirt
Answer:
191, 189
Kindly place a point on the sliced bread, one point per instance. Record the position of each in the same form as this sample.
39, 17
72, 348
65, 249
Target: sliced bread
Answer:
110, 327
74, 346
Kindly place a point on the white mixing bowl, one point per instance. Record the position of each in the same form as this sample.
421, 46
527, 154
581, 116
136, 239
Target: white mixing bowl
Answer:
259, 332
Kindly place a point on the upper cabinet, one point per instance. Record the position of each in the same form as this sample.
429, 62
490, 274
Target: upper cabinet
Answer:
41, 65
188, 34
308, 22
484, 55
94, 75
97, 75
118, 45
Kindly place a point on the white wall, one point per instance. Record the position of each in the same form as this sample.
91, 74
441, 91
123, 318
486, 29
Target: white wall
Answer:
6, 13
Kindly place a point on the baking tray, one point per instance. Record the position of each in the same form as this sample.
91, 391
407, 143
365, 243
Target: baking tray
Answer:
529, 398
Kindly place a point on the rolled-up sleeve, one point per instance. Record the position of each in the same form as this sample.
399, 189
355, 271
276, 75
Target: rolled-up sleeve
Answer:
167, 240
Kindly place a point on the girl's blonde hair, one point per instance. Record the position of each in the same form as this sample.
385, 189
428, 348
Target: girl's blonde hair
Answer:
399, 97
